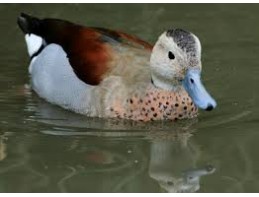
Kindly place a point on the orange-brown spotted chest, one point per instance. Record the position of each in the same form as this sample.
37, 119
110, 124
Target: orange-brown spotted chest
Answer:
155, 104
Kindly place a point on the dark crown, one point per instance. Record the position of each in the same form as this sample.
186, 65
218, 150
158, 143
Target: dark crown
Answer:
184, 39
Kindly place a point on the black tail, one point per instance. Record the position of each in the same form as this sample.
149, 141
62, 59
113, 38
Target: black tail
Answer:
51, 30
29, 24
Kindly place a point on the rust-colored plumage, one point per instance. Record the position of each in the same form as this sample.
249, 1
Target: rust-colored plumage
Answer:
88, 49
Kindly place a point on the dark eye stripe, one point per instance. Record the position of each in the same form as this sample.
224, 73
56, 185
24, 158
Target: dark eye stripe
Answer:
171, 55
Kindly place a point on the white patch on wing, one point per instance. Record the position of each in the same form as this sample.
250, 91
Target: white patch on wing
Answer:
33, 43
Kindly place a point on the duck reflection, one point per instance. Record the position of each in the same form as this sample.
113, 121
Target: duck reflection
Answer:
99, 164
172, 165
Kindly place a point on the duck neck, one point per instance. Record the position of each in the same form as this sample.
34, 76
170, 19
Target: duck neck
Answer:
164, 84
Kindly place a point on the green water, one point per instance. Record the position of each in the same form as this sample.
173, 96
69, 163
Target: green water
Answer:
46, 149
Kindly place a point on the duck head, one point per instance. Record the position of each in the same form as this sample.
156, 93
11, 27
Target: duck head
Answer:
176, 64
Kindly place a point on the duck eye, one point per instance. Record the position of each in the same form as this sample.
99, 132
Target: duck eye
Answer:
171, 55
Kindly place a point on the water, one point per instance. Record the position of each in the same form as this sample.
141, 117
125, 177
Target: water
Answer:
46, 149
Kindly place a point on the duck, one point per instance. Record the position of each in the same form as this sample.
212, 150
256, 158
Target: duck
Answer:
105, 73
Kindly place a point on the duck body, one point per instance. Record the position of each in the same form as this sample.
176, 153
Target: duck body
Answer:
98, 72
53, 79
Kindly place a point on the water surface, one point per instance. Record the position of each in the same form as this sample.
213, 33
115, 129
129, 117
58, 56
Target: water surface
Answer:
44, 148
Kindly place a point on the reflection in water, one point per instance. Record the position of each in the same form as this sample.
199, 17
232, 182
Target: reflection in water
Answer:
2, 147
172, 165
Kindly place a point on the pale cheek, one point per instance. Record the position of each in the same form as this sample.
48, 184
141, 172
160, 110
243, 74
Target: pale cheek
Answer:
175, 67
177, 71
169, 71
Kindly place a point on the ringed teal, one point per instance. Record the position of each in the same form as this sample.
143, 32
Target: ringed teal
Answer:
104, 73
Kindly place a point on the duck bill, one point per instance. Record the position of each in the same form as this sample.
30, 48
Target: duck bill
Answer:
194, 87
196, 173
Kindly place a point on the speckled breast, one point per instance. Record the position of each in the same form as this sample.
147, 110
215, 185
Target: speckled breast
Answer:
155, 104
